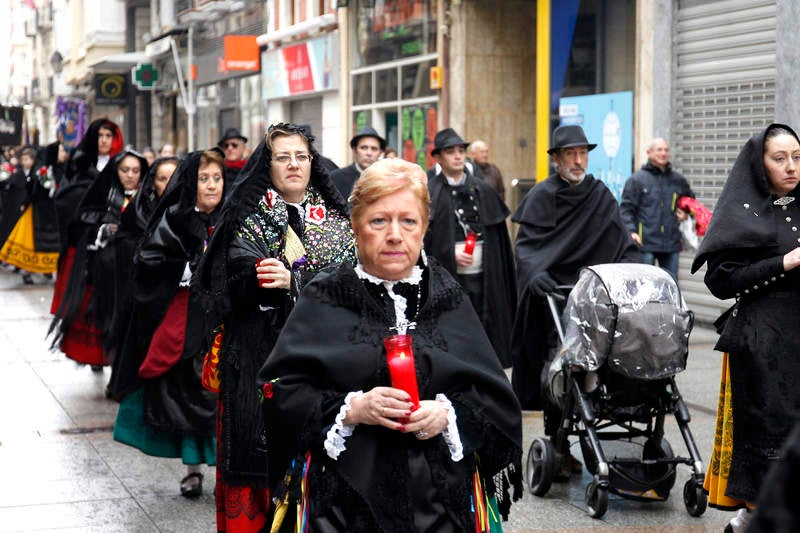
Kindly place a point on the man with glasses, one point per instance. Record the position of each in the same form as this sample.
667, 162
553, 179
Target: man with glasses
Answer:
367, 148
234, 144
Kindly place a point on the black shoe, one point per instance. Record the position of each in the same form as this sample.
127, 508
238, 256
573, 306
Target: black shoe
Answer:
27, 279
569, 465
191, 488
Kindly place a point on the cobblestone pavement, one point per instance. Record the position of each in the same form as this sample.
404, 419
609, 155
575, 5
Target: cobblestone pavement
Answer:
63, 472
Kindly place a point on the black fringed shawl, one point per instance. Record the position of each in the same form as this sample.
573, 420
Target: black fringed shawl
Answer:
229, 295
332, 345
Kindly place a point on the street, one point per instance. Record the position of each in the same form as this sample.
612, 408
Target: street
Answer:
63, 472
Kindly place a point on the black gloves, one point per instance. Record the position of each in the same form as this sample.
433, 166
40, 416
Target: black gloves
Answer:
542, 284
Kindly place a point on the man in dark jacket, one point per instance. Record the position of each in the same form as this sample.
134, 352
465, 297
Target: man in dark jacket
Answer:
648, 208
234, 144
367, 147
467, 209
566, 222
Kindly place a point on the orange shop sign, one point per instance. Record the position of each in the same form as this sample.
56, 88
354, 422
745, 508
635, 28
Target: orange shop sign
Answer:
242, 53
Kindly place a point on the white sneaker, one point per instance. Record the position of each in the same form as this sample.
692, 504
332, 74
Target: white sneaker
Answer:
740, 522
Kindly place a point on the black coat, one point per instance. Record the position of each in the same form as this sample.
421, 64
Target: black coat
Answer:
648, 206
311, 371
177, 234
561, 230
744, 247
226, 284
344, 179
499, 281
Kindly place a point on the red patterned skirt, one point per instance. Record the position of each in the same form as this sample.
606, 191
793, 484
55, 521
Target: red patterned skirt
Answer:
239, 509
82, 342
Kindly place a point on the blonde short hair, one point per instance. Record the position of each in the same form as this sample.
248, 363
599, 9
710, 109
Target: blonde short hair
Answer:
385, 177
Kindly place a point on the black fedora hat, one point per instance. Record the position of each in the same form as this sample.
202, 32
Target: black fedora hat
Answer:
367, 131
231, 133
568, 136
445, 139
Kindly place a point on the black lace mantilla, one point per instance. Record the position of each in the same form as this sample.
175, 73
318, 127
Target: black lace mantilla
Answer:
343, 288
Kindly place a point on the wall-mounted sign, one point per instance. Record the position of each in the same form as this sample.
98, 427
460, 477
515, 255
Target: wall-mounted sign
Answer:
145, 76
242, 53
111, 89
10, 126
305, 67
607, 120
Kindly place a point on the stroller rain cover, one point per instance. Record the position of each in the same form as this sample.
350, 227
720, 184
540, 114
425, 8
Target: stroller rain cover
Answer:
630, 316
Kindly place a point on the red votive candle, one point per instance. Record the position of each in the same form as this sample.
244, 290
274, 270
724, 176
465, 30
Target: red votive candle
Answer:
262, 282
469, 242
400, 357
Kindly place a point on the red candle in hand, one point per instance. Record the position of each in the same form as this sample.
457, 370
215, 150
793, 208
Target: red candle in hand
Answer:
469, 242
400, 358
262, 282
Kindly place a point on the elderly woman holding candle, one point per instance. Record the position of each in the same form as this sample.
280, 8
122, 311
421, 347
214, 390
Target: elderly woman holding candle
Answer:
385, 406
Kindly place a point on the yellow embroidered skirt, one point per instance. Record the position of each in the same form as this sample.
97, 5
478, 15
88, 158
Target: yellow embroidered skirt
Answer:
19, 249
716, 482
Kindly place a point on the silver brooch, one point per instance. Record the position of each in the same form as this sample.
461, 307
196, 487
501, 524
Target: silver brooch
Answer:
784, 200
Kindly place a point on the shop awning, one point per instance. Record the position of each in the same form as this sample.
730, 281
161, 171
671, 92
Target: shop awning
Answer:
121, 61
307, 26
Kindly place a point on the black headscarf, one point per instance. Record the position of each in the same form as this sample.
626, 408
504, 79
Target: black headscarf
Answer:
85, 154
97, 196
146, 201
210, 278
743, 216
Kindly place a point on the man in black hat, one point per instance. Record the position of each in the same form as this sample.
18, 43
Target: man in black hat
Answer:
566, 222
367, 148
466, 212
234, 144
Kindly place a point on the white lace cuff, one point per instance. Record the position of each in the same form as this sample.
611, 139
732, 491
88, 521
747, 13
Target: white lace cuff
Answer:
334, 440
451, 435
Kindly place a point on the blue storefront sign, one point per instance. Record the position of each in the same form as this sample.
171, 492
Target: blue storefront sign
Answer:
607, 120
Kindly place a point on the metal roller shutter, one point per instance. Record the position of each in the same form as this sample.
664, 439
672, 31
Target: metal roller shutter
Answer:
724, 92
309, 111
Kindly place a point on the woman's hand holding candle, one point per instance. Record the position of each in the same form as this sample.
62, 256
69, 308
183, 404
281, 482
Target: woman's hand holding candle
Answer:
272, 274
381, 406
427, 421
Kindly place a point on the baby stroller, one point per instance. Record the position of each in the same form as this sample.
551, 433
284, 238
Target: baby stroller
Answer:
624, 337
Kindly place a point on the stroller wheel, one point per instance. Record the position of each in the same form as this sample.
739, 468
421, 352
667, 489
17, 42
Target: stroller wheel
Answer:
596, 498
542, 465
694, 498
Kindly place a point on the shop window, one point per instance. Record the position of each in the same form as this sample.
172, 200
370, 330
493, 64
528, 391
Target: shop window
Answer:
416, 80
386, 85
388, 30
362, 88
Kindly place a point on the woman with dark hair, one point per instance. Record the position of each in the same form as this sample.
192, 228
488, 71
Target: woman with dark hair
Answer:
752, 252
283, 223
385, 406
133, 223
89, 297
165, 411
75, 331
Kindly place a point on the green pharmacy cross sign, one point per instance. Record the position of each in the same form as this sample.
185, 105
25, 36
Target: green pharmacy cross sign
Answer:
145, 76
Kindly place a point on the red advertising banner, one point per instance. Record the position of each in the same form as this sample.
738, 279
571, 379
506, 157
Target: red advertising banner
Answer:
298, 68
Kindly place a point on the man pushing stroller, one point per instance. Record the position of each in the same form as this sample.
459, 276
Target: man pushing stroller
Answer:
566, 222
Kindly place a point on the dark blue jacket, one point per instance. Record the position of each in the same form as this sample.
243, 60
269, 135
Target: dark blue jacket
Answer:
648, 207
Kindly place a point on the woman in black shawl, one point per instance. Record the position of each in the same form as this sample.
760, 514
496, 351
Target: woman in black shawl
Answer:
28, 230
283, 222
132, 226
359, 452
165, 411
752, 252
74, 323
